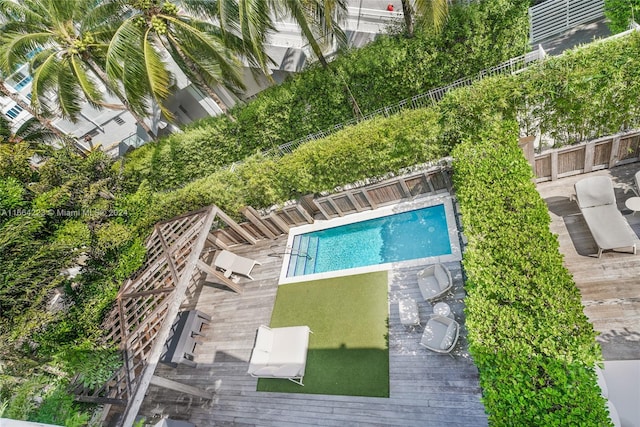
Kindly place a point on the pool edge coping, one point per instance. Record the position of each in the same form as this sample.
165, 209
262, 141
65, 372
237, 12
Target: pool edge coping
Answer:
408, 205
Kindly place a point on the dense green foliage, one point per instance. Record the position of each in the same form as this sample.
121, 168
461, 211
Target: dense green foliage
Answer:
586, 92
389, 70
369, 149
49, 218
620, 13
533, 345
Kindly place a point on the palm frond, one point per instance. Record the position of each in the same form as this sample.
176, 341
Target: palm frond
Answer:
213, 59
432, 13
255, 24
69, 96
157, 74
85, 81
203, 9
297, 11
15, 48
124, 64
44, 78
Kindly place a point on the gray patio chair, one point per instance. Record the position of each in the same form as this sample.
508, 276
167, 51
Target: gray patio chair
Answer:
234, 264
597, 202
440, 334
434, 282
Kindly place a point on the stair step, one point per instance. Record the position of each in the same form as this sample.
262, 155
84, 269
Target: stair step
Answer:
312, 255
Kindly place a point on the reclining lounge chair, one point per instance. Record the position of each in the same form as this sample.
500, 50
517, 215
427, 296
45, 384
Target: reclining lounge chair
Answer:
597, 202
280, 353
234, 264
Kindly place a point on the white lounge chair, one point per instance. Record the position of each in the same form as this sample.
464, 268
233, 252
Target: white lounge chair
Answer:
234, 264
280, 353
597, 202
440, 334
434, 282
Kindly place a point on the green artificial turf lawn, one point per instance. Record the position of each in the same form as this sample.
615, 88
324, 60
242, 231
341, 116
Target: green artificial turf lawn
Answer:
348, 350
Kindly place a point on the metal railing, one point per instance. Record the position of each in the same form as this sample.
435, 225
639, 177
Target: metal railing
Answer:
556, 16
430, 98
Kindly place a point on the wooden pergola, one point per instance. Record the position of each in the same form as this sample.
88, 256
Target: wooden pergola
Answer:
148, 303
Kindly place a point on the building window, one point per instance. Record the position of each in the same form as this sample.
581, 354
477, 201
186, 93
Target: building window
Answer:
22, 83
14, 112
118, 120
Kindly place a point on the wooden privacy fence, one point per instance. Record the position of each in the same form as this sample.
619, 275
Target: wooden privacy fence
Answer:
386, 192
353, 198
601, 153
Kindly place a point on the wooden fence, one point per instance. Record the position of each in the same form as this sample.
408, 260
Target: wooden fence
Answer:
355, 198
383, 193
601, 153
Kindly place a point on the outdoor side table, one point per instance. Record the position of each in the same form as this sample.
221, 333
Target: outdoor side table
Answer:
633, 203
442, 309
184, 335
409, 315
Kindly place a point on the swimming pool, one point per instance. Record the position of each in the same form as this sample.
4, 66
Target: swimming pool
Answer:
372, 240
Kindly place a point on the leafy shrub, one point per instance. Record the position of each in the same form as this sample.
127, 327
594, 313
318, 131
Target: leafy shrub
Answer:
371, 148
528, 335
59, 407
586, 92
619, 14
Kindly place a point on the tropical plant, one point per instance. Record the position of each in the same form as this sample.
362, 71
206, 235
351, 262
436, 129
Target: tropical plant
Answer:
534, 347
63, 42
45, 122
181, 29
620, 14
431, 13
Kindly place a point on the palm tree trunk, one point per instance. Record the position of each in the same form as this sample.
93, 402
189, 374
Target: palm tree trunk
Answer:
407, 12
103, 77
18, 100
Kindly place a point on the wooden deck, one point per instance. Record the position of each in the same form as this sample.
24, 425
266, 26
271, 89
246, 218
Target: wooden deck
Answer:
426, 388
610, 286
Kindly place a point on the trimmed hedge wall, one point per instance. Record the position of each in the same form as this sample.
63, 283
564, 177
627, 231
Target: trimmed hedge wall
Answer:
528, 335
369, 149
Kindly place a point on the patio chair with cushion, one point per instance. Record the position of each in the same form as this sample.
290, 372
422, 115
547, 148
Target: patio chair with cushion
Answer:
440, 334
597, 202
234, 264
434, 281
280, 353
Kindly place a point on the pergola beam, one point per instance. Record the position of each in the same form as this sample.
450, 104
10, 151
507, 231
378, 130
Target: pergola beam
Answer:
228, 282
135, 401
180, 387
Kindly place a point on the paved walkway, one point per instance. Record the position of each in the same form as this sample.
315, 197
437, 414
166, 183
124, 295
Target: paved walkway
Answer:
582, 34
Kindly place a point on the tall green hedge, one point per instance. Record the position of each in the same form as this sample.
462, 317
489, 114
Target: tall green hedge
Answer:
369, 149
390, 69
528, 335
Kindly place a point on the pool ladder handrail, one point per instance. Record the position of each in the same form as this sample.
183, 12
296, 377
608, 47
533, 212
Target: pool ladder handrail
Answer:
290, 251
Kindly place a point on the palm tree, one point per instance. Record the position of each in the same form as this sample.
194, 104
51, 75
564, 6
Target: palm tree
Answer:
61, 41
432, 13
319, 22
182, 29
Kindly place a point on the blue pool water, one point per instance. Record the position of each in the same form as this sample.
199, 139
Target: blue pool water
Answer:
420, 233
